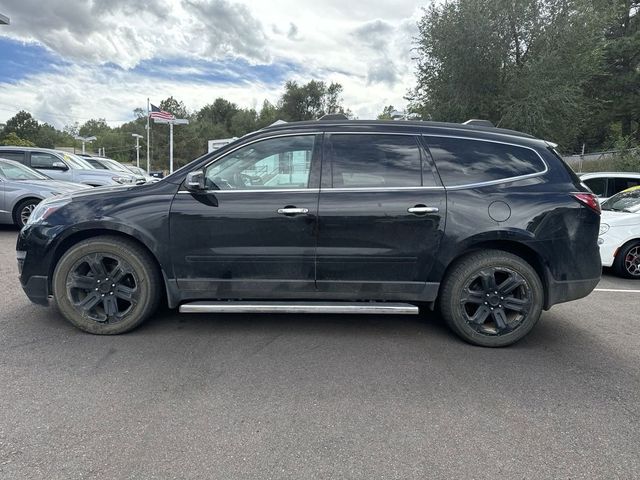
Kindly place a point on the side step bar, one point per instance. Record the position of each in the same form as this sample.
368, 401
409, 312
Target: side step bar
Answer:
300, 307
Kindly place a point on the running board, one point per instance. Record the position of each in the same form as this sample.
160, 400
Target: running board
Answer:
300, 307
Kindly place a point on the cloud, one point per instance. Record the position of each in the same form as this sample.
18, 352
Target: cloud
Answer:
102, 58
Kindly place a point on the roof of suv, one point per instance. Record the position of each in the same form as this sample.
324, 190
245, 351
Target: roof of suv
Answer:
31, 149
474, 130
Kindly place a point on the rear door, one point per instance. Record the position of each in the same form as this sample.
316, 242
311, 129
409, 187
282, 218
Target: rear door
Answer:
381, 218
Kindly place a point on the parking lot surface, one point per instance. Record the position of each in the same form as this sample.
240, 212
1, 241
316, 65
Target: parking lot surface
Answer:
285, 396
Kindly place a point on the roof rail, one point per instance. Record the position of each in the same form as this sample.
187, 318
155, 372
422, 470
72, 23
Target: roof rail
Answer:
479, 122
334, 116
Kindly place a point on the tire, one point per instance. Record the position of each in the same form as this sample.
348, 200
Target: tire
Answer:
627, 262
95, 273
483, 309
22, 211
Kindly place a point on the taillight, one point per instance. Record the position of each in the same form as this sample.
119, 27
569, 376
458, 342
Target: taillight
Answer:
589, 200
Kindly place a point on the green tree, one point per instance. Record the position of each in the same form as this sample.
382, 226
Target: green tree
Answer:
310, 101
387, 113
523, 64
13, 139
23, 125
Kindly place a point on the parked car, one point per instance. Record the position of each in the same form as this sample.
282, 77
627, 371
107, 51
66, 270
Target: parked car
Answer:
142, 172
65, 166
488, 225
607, 184
620, 233
22, 188
103, 163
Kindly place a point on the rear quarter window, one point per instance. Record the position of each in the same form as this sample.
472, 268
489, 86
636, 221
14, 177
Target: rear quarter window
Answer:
466, 161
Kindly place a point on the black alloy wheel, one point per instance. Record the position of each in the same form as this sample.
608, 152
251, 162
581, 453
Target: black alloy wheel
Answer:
491, 298
106, 285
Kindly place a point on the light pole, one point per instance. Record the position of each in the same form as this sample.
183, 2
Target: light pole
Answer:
138, 137
175, 121
85, 139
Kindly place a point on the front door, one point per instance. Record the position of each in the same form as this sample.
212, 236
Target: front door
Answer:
381, 218
252, 234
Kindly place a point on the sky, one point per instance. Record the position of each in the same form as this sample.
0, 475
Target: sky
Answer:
72, 60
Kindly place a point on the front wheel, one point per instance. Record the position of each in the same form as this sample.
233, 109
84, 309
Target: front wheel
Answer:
23, 211
491, 298
106, 285
627, 262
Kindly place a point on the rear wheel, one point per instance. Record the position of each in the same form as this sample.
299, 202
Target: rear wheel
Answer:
491, 298
106, 285
23, 211
627, 262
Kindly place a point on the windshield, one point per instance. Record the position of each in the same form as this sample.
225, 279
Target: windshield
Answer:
113, 165
77, 162
16, 171
628, 201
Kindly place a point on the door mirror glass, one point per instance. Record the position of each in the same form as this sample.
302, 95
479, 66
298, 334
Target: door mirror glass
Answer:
195, 181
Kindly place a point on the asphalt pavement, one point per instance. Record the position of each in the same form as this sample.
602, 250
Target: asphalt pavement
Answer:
318, 396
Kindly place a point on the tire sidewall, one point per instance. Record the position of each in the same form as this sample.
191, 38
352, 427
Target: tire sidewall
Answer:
461, 274
117, 249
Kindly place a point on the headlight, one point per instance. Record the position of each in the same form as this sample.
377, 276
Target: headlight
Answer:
604, 228
46, 207
123, 179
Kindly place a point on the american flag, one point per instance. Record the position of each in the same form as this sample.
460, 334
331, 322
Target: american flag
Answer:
158, 113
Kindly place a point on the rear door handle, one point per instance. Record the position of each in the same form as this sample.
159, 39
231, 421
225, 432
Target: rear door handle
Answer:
292, 211
422, 209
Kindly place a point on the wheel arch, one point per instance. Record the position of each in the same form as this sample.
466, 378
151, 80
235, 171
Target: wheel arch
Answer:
515, 247
78, 236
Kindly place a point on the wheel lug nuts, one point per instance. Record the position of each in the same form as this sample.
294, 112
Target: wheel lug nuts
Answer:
113, 284
98, 281
96, 289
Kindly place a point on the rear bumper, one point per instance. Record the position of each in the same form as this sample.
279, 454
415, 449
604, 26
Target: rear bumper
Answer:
565, 291
37, 289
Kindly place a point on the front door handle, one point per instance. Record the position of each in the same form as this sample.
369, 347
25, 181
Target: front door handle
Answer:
422, 210
292, 211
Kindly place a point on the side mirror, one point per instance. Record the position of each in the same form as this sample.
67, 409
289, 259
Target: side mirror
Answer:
195, 181
60, 166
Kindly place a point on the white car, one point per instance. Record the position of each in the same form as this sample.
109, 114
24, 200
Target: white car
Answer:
607, 184
619, 238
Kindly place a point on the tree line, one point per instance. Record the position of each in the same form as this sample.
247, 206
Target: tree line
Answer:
564, 70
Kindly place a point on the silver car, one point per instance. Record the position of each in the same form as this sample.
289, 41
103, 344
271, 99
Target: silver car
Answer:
22, 188
103, 163
65, 166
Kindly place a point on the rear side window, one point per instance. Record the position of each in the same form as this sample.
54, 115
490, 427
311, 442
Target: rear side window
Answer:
17, 156
597, 186
462, 161
621, 184
375, 161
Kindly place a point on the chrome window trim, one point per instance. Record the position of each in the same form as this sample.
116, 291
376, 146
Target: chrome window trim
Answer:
379, 189
490, 182
260, 190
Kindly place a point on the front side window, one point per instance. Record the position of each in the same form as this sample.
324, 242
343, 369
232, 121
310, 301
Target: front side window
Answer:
276, 163
375, 161
465, 161
43, 160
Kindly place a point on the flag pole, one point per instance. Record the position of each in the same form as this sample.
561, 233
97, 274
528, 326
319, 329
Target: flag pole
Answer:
148, 161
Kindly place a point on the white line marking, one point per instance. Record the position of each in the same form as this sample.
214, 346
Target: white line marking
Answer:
615, 290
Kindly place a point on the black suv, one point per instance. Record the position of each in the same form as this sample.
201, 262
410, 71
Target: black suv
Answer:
488, 225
